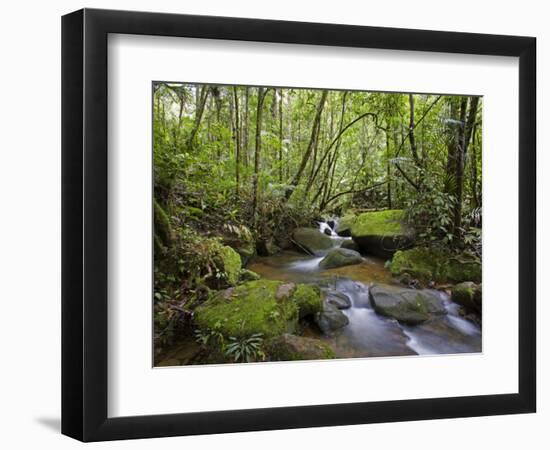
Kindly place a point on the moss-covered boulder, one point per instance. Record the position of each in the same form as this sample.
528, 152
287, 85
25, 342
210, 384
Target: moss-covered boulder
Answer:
309, 300
408, 306
311, 240
229, 262
340, 257
248, 275
468, 295
436, 265
330, 319
245, 247
381, 233
289, 347
344, 225
262, 306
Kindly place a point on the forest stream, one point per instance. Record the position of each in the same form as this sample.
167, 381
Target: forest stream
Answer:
369, 334
308, 224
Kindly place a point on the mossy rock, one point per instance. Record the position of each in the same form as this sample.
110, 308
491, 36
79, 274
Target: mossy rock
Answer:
408, 306
344, 225
308, 298
261, 306
230, 264
248, 275
311, 240
436, 265
163, 230
289, 347
381, 233
468, 295
245, 247
340, 257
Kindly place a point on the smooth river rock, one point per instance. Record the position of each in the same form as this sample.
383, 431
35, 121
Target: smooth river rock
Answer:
311, 240
340, 257
408, 306
338, 299
330, 319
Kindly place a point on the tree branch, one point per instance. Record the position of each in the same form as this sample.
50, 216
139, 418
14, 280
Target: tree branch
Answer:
354, 191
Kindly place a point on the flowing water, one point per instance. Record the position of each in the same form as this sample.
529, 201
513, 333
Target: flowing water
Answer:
368, 333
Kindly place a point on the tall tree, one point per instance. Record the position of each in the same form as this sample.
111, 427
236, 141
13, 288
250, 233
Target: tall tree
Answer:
312, 144
201, 96
257, 150
237, 134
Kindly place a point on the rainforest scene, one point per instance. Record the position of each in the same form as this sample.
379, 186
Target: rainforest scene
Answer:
314, 224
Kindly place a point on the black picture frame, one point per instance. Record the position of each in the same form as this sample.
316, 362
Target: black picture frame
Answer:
84, 224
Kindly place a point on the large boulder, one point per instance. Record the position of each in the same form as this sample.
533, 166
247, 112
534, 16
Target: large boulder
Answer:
270, 308
468, 295
311, 240
340, 257
381, 233
289, 347
408, 306
344, 225
261, 306
436, 265
330, 319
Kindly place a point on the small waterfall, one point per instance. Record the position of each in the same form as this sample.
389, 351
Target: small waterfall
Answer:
323, 226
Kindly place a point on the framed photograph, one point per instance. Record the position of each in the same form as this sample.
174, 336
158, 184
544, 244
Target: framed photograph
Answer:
273, 224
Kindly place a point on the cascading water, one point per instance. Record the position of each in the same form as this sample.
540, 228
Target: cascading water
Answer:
368, 333
325, 228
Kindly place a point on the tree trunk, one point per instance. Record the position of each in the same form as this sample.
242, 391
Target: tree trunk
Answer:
201, 102
388, 168
257, 152
244, 140
461, 151
312, 143
412, 140
237, 141
280, 136
473, 169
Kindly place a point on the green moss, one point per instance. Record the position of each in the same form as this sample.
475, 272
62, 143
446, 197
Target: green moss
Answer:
163, 228
379, 223
308, 298
468, 295
418, 262
345, 224
248, 275
250, 308
463, 293
231, 263
435, 265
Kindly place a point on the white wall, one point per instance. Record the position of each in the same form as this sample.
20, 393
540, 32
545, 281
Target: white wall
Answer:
30, 237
